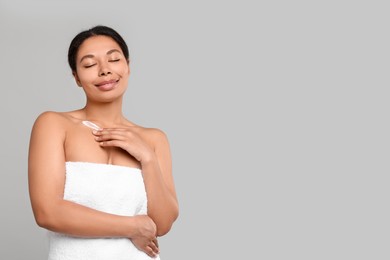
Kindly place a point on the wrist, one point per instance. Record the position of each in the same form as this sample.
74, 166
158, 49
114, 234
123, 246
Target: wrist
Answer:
130, 229
149, 160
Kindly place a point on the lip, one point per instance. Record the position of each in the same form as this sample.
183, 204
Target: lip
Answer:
107, 84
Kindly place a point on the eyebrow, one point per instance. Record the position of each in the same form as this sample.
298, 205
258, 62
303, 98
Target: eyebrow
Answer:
92, 56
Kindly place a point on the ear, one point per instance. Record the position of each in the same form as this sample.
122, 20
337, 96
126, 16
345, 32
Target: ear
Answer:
76, 78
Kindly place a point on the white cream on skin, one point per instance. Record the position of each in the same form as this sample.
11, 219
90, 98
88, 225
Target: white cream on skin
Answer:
91, 125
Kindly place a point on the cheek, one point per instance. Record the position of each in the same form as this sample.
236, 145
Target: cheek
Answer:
87, 75
124, 71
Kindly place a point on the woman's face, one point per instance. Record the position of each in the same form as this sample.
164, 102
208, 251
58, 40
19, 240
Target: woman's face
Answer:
101, 69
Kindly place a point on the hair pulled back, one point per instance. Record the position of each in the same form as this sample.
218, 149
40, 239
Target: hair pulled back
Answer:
94, 31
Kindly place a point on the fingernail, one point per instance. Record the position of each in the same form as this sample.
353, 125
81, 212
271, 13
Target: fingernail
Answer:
94, 131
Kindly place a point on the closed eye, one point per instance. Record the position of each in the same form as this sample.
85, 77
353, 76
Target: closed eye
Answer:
114, 60
88, 66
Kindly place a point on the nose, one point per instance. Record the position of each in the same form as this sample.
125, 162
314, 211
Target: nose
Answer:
104, 70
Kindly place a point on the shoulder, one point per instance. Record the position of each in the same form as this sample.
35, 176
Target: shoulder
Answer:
156, 133
50, 118
148, 132
50, 121
53, 117
152, 133
154, 136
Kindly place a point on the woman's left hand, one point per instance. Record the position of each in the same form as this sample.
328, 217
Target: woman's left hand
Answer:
127, 139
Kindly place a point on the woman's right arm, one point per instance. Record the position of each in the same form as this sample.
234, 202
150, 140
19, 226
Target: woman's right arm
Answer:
46, 172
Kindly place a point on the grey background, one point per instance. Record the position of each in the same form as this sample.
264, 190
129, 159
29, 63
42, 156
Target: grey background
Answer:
277, 114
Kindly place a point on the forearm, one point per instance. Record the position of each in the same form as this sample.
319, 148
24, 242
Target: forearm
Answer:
162, 206
77, 220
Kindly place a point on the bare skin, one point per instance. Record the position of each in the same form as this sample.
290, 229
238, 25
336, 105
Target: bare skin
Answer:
102, 72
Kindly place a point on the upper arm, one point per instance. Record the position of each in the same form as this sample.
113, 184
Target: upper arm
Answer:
46, 162
164, 157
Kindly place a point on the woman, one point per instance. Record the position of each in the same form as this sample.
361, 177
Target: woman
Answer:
99, 183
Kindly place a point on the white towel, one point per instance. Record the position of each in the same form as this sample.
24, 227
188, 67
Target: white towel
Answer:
109, 188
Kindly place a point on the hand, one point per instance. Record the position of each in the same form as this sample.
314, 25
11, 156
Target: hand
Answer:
127, 139
145, 237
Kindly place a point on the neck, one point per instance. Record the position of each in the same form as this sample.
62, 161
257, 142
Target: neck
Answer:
105, 114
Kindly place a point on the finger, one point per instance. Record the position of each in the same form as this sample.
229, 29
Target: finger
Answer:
150, 252
154, 247
111, 143
121, 144
156, 242
106, 137
119, 130
108, 132
116, 135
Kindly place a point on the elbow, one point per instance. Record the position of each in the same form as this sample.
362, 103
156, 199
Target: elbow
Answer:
47, 214
41, 220
44, 220
164, 228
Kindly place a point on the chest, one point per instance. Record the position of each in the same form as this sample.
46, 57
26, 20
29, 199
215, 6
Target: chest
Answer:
80, 146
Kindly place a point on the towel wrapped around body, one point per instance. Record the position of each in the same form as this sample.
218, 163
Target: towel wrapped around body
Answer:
109, 188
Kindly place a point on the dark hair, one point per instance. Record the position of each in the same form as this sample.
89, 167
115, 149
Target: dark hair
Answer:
94, 31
